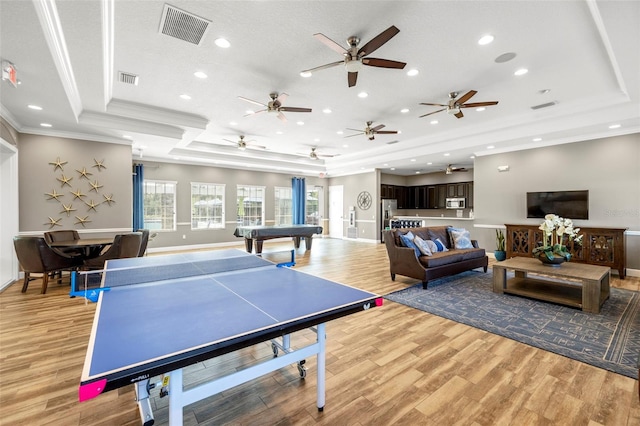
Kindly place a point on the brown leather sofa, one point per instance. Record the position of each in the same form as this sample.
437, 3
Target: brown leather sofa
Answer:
403, 260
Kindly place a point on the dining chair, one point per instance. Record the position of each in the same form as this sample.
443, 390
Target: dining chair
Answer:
35, 256
124, 246
62, 235
144, 242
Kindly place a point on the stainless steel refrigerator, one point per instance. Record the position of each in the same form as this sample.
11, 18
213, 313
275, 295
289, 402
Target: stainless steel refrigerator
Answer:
388, 209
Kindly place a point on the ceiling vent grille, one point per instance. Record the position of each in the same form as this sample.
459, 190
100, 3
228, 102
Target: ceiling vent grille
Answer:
128, 78
548, 104
183, 25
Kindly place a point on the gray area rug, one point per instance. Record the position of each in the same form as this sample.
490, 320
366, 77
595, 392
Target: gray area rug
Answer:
609, 340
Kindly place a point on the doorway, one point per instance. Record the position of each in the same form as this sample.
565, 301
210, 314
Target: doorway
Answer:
336, 212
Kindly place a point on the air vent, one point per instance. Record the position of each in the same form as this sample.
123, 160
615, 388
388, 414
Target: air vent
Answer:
183, 25
548, 104
127, 78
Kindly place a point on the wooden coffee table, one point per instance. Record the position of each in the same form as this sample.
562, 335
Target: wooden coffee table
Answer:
588, 291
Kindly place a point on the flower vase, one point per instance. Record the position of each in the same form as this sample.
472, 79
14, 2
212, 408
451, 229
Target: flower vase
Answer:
555, 261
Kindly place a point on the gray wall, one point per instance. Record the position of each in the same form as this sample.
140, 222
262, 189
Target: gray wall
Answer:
185, 174
609, 168
37, 177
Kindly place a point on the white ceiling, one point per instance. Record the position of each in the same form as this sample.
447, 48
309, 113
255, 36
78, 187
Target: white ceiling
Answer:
68, 55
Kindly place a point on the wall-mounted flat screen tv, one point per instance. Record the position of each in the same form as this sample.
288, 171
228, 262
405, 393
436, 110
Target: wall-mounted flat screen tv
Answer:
567, 204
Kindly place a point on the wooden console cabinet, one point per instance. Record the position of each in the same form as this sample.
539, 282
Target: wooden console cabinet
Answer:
600, 246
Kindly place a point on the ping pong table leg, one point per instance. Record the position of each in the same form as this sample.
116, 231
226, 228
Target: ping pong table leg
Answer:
176, 402
144, 405
321, 338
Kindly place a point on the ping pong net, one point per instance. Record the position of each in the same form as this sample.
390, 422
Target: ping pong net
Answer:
89, 284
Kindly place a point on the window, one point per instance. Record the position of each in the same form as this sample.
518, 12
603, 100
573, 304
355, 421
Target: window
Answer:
207, 205
250, 203
313, 205
160, 205
283, 201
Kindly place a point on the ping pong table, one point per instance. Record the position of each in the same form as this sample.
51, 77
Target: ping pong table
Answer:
156, 315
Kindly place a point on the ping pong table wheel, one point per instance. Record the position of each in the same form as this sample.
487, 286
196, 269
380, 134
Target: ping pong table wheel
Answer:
302, 369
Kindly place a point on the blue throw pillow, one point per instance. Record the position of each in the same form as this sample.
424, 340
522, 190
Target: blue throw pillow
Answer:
407, 240
423, 246
461, 238
440, 245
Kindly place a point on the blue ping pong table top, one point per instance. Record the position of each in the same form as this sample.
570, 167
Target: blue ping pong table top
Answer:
141, 330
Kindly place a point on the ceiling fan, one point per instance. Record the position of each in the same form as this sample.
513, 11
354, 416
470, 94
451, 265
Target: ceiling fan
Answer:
354, 58
450, 169
454, 106
372, 131
314, 155
275, 105
242, 144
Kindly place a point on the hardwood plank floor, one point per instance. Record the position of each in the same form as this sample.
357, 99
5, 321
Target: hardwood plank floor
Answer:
390, 365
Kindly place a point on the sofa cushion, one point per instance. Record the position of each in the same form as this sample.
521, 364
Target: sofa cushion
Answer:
439, 232
451, 256
440, 245
460, 238
423, 245
407, 241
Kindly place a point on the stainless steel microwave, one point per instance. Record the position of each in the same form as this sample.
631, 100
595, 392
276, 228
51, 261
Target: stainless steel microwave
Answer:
455, 203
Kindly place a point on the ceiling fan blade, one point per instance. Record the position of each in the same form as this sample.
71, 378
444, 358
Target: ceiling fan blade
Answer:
378, 41
466, 97
256, 146
281, 98
232, 142
295, 109
383, 63
321, 67
426, 103
282, 117
387, 132
424, 115
378, 127
256, 112
479, 104
357, 134
459, 114
252, 101
352, 77
330, 43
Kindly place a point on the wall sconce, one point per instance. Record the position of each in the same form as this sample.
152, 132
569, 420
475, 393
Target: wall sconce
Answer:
503, 168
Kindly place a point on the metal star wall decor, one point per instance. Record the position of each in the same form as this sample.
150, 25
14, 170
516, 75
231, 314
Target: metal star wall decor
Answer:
68, 209
95, 186
99, 164
78, 194
108, 199
53, 222
57, 164
54, 195
82, 220
84, 173
92, 205
65, 180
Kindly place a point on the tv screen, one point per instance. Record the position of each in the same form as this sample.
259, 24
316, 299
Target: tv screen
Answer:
568, 204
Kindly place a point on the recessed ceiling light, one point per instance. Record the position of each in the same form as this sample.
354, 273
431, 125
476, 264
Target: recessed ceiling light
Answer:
316, 140
615, 126
521, 71
249, 111
127, 137
385, 164
233, 123
345, 146
393, 168
537, 139
480, 109
36, 107
340, 132
486, 39
446, 154
413, 160
327, 110
363, 94
404, 110
417, 172
490, 147
433, 122
279, 132
472, 157
412, 72
399, 132
305, 74
300, 123
222, 42
185, 97
429, 163
46, 125
200, 74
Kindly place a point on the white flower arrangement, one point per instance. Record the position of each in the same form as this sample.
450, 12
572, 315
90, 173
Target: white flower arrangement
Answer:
554, 229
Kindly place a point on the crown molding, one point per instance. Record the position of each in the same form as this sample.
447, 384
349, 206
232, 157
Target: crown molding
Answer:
115, 122
155, 114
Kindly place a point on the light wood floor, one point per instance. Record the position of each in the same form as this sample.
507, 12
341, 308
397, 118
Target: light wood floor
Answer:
389, 365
